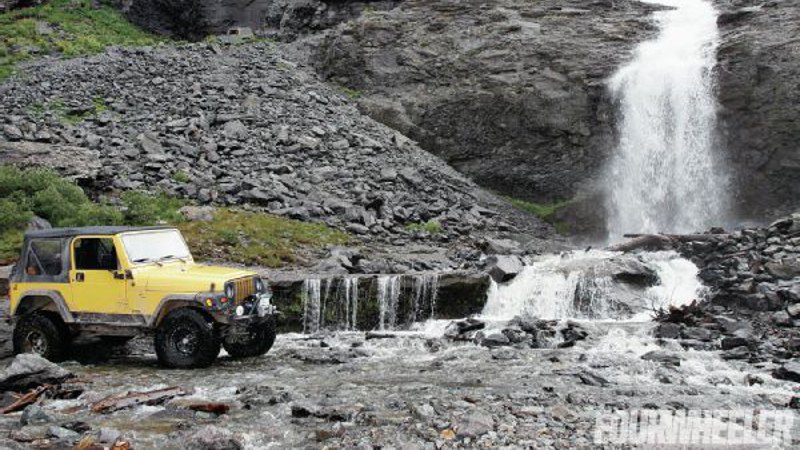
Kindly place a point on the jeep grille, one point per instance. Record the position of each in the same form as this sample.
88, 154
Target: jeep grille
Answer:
243, 288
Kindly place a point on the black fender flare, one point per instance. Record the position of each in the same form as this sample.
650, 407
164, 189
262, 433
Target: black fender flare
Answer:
173, 302
39, 299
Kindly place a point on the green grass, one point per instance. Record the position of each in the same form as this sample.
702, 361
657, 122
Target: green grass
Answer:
544, 211
353, 94
181, 177
256, 238
431, 227
78, 29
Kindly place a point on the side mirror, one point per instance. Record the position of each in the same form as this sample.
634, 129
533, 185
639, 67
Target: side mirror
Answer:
123, 275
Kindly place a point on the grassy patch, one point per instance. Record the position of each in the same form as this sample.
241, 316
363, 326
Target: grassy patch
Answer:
543, 211
431, 227
65, 27
181, 177
353, 94
256, 238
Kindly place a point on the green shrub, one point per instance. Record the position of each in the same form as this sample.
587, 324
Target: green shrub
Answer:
141, 208
431, 227
181, 177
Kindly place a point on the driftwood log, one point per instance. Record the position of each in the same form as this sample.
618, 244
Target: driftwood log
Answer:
115, 403
26, 399
655, 242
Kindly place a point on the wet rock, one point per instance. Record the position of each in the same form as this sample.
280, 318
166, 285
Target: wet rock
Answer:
696, 333
737, 353
34, 415
667, 330
337, 413
503, 267
63, 434
788, 371
730, 342
663, 357
785, 269
463, 329
592, 379
504, 354
29, 370
492, 340
475, 424
210, 437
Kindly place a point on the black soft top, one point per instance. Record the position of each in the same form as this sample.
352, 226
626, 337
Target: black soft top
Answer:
82, 231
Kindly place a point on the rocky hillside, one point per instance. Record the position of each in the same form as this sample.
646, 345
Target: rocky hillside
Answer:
759, 97
237, 125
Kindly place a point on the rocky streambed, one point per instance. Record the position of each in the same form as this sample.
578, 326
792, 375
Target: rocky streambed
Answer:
404, 390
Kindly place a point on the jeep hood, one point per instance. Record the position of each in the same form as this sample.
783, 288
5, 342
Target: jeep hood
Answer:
179, 277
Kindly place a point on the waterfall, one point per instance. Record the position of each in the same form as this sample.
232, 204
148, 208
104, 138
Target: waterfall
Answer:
664, 175
424, 292
351, 303
388, 301
581, 285
312, 305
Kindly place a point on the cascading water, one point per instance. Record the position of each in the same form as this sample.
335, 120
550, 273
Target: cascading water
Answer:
351, 303
388, 300
425, 290
582, 285
312, 305
664, 176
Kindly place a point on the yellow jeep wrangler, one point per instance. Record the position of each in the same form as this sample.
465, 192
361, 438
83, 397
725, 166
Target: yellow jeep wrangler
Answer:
117, 282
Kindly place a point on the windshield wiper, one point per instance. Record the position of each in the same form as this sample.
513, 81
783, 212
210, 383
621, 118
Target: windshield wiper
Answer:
141, 260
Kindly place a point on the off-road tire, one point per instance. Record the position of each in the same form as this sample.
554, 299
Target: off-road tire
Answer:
185, 340
52, 338
261, 339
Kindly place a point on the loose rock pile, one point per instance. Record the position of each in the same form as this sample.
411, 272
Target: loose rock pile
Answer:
753, 312
754, 268
238, 125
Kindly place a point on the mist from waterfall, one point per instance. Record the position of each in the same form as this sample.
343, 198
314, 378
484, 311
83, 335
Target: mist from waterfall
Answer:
664, 176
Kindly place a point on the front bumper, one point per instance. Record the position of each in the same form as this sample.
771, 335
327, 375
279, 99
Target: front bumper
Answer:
257, 310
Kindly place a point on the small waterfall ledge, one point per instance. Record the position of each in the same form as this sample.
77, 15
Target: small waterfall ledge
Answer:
317, 302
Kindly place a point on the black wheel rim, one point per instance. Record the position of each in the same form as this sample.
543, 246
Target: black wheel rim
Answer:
36, 342
184, 340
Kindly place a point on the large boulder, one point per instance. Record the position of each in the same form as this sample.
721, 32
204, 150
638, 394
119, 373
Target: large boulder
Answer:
29, 370
503, 267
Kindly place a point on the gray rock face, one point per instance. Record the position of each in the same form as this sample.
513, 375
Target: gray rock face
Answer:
759, 98
193, 19
487, 86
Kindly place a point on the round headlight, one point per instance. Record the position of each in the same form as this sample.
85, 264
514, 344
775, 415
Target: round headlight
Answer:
230, 292
239, 310
259, 285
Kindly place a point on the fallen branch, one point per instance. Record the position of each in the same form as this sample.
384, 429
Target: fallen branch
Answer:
654, 242
26, 399
115, 403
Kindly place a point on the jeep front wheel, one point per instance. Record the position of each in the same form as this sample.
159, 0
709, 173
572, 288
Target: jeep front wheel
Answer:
42, 334
185, 339
256, 342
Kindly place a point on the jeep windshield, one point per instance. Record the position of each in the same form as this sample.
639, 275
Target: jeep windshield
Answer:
155, 246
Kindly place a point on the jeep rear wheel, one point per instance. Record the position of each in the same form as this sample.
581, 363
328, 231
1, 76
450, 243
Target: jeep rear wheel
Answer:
256, 342
185, 339
43, 334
